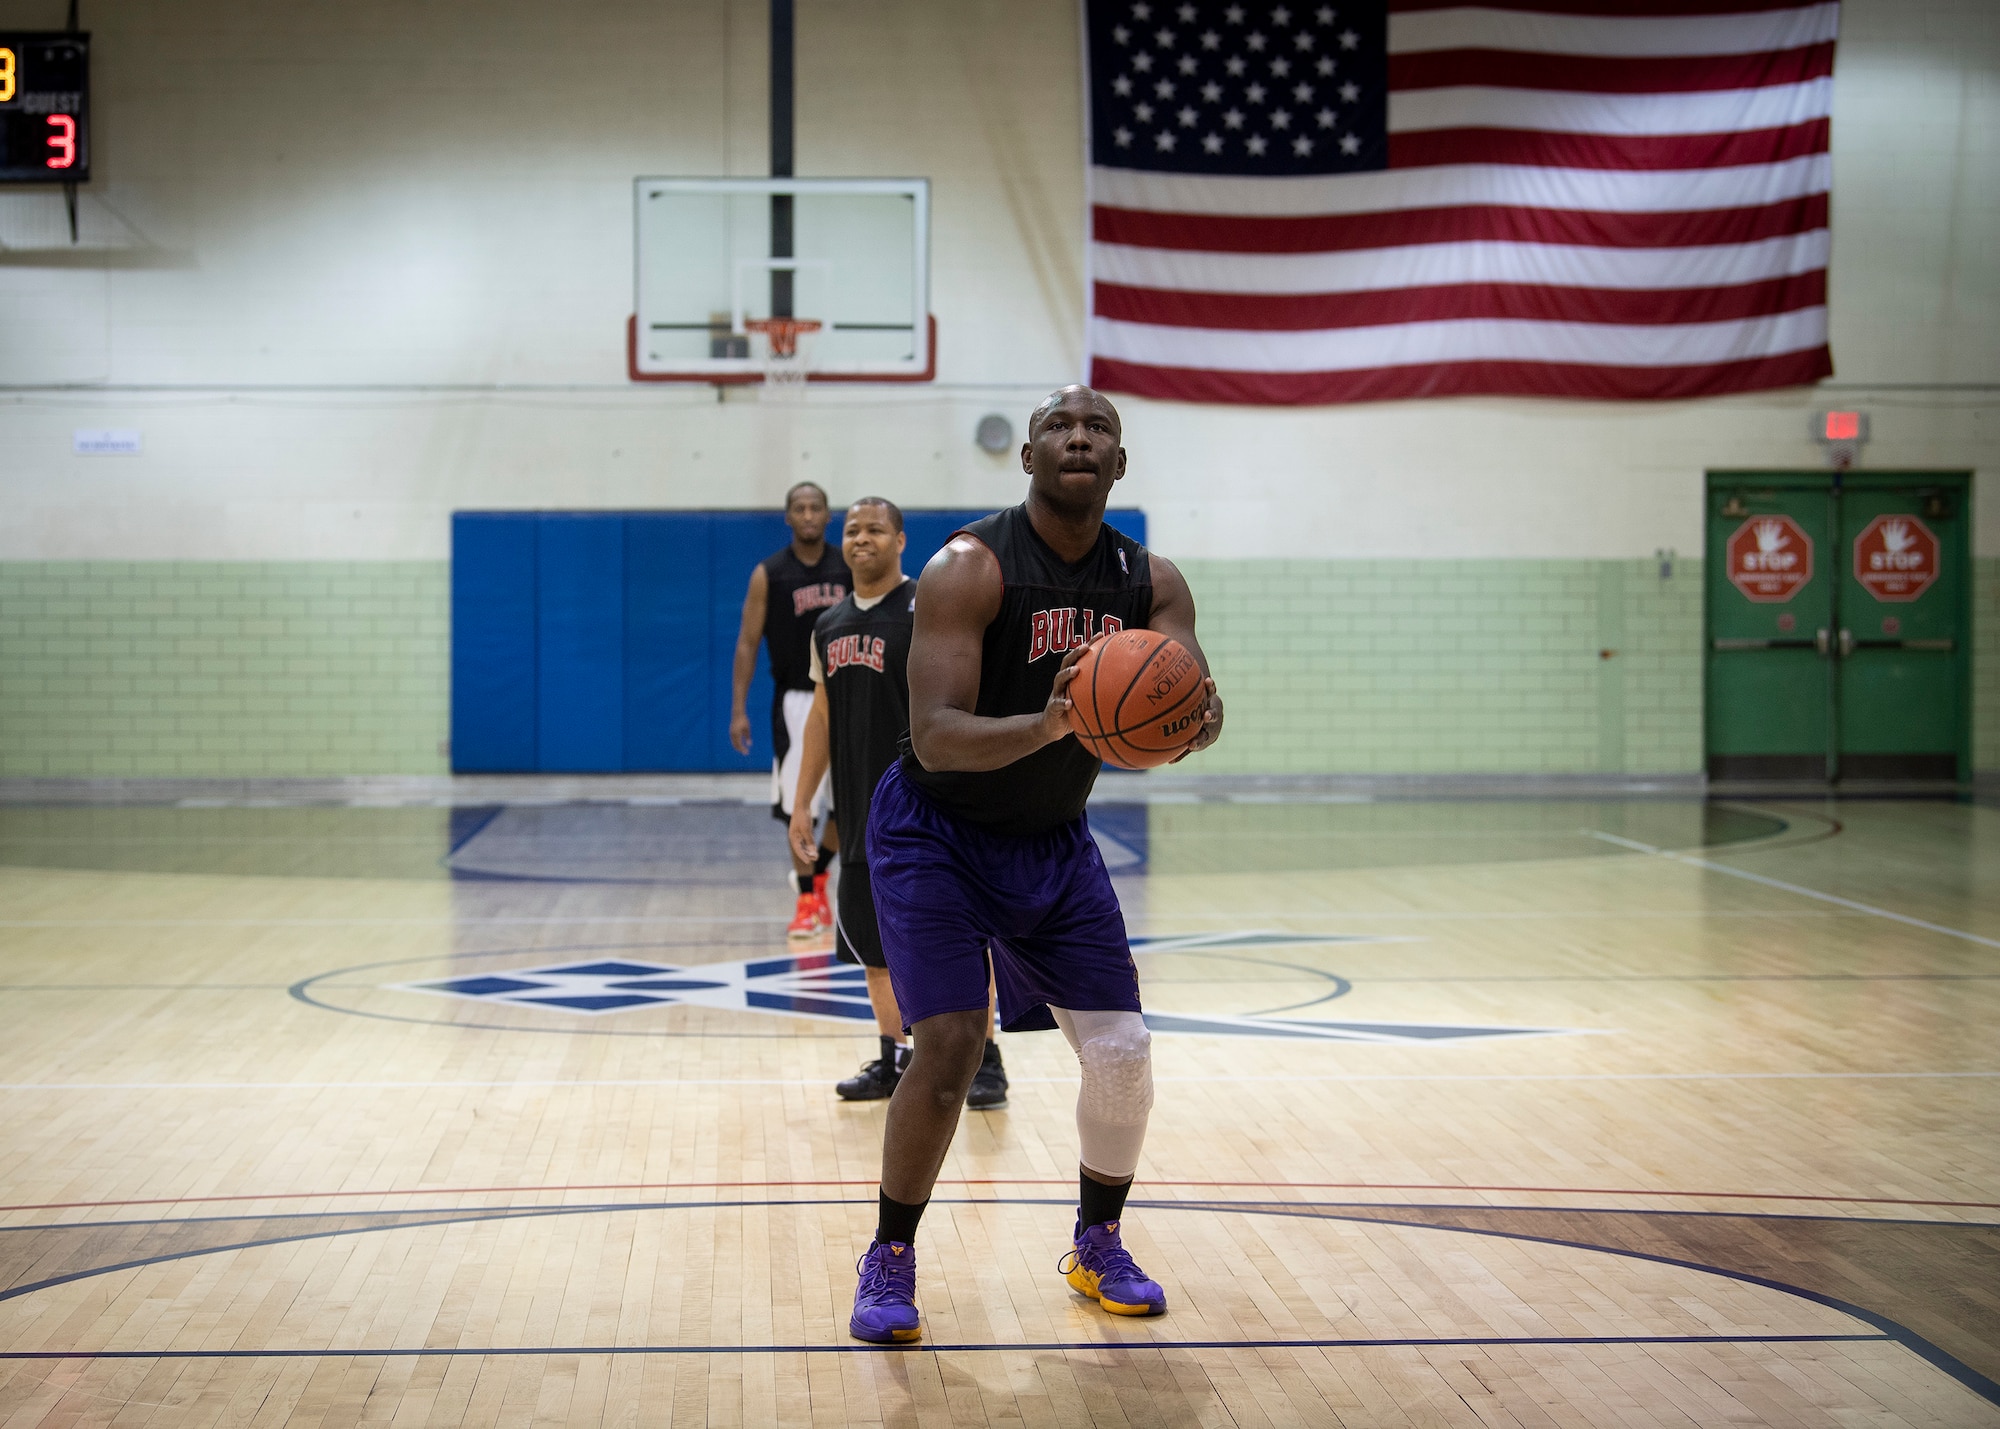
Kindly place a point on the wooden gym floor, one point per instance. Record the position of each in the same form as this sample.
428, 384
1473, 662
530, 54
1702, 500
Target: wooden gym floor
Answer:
1470, 1113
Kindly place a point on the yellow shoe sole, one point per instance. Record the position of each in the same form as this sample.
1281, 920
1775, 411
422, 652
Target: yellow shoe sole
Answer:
1085, 1282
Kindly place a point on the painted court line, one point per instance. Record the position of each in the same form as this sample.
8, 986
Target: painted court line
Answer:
1051, 1081
448, 922
581, 920
1870, 909
1000, 1181
1093, 1346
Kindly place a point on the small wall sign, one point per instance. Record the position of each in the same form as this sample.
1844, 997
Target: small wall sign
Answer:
1896, 558
1770, 559
105, 441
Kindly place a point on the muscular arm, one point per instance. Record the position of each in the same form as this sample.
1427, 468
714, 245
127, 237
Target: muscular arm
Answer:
1173, 617
815, 753
747, 637
958, 596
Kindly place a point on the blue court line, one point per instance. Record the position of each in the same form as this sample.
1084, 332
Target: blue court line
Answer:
1023, 1346
1909, 1339
472, 833
1887, 1329
453, 1214
1703, 977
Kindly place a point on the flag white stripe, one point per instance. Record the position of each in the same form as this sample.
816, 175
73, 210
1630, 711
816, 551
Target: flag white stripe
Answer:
1710, 111
1476, 28
1441, 264
1467, 340
1453, 185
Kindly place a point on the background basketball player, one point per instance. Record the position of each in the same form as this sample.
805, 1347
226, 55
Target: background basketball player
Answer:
788, 590
859, 718
977, 835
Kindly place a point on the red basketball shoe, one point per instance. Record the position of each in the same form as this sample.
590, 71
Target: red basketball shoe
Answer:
810, 919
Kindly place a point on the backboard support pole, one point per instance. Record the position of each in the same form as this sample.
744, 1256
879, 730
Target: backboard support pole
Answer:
783, 128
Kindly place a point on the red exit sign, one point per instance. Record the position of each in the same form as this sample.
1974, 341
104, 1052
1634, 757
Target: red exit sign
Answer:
1840, 427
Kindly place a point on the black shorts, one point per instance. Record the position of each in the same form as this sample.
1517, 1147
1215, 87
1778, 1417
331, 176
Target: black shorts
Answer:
856, 939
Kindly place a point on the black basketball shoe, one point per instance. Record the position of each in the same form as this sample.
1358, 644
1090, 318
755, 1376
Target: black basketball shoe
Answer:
878, 1078
989, 1083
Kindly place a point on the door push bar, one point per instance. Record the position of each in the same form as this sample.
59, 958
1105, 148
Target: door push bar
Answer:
1823, 642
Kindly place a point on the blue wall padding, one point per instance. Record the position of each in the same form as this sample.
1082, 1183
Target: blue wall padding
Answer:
668, 709
597, 641
580, 643
492, 641
925, 532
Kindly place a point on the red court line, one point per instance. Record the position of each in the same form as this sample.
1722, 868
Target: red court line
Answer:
1008, 1181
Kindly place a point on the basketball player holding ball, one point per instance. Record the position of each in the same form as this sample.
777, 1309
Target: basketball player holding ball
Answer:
977, 834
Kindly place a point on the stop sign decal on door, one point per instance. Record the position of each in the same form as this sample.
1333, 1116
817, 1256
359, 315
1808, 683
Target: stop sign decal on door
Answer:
1896, 558
1770, 558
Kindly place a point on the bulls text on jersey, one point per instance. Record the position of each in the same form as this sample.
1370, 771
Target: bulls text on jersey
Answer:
845, 650
1051, 632
823, 596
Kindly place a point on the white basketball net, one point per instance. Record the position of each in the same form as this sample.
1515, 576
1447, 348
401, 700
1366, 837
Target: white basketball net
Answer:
785, 352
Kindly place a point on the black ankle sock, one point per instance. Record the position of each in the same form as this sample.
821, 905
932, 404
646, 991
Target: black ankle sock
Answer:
805, 882
895, 1221
889, 1053
825, 858
1097, 1202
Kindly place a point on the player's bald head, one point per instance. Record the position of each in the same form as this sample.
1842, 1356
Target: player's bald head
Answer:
1075, 392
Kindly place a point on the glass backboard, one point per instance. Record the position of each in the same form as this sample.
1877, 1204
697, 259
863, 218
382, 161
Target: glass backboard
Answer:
710, 255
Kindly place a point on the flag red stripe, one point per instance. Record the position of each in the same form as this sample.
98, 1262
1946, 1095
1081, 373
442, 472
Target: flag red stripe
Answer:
1604, 74
1454, 379
1328, 233
1532, 302
1432, 147
1615, 8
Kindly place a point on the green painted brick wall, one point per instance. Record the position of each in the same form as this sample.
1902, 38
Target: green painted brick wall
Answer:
1453, 667
1383, 667
239, 668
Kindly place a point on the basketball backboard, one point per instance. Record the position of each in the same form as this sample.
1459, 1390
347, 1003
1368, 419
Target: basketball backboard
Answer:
704, 267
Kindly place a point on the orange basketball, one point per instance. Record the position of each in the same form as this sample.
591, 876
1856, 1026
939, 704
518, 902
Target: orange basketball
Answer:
1137, 699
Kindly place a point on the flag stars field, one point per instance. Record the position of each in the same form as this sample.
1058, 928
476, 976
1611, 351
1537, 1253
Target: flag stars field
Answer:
1284, 57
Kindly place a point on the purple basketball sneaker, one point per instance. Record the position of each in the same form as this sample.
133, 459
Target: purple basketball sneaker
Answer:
1098, 1266
885, 1302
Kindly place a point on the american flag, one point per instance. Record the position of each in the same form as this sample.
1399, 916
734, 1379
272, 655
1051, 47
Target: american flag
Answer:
1303, 203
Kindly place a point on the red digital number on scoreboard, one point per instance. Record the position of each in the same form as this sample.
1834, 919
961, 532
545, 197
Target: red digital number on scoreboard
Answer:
63, 141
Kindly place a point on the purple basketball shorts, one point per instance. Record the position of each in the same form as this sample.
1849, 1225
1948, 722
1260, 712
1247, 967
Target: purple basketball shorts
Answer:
946, 890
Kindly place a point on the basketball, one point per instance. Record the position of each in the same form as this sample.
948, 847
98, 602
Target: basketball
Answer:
1137, 699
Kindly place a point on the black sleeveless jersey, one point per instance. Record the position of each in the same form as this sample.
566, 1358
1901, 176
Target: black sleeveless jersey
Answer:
794, 595
1047, 608
865, 657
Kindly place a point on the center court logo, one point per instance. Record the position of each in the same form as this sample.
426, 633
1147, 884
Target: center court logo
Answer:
819, 987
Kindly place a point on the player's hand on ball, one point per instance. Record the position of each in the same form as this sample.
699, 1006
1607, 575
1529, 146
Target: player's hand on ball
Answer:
805, 845
1055, 714
1211, 724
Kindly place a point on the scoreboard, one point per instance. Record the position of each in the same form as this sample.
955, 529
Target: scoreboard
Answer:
44, 107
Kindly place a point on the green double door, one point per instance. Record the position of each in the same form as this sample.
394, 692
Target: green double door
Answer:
1838, 615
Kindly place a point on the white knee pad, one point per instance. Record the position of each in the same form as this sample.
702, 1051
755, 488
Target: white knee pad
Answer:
1116, 1054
